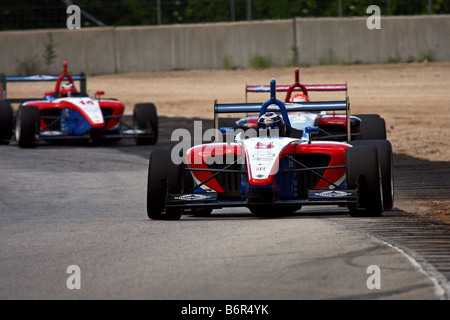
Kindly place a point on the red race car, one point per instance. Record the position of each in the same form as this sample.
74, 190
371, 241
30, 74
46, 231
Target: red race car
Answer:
68, 114
331, 126
275, 171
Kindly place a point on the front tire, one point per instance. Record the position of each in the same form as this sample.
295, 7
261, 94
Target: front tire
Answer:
27, 127
6, 122
163, 176
145, 117
363, 174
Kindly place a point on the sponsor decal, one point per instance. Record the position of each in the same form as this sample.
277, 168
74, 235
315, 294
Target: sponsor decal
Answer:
261, 145
263, 159
40, 77
192, 197
333, 194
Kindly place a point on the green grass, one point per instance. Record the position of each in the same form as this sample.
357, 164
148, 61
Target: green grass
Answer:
227, 63
260, 62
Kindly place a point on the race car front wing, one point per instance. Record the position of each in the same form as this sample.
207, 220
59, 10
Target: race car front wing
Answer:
211, 200
196, 200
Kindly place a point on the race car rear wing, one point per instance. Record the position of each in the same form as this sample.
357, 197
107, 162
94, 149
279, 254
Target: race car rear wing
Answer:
37, 78
275, 105
314, 106
297, 86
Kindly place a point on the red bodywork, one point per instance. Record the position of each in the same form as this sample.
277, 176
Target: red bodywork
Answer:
337, 153
116, 107
198, 158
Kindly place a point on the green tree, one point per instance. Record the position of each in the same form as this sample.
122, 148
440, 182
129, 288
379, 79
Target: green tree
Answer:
41, 14
49, 53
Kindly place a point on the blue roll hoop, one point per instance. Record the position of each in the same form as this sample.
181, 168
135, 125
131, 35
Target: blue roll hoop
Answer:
275, 101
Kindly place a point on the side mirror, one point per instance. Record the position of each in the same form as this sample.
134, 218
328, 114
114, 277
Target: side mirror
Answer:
98, 94
309, 131
312, 130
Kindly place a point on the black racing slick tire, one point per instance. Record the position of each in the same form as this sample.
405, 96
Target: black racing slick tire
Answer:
373, 127
6, 122
27, 127
163, 176
363, 174
145, 117
387, 168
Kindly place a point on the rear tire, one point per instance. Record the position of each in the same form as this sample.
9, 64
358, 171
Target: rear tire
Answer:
27, 126
373, 127
6, 122
363, 174
145, 117
161, 169
387, 168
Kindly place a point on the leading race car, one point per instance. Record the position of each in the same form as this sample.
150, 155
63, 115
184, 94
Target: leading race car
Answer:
275, 171
331, 126
67, 114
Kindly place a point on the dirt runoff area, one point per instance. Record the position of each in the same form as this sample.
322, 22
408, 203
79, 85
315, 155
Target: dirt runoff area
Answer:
413, 98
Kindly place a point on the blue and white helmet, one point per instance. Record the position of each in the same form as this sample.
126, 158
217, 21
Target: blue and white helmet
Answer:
68, 89
272, 121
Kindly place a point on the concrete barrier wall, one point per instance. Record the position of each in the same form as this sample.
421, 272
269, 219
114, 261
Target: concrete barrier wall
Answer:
201, 46
206, 46
88, 50
349, 40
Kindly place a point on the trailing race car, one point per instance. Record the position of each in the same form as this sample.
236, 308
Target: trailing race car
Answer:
67, 114
276, 171
331, 126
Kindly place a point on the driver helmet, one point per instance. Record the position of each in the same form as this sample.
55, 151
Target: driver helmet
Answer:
68, 90
272, 121
299, 98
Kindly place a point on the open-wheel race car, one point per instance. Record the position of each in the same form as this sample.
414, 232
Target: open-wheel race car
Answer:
70, 114
331, 126
275, 170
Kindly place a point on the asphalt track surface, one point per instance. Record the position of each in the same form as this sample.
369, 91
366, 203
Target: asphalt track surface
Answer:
85, 205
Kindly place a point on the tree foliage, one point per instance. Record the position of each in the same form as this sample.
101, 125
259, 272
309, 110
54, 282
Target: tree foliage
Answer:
40, 14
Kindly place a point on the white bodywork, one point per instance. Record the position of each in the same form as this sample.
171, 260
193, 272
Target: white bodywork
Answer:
301, 120
262, 154
90, 107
